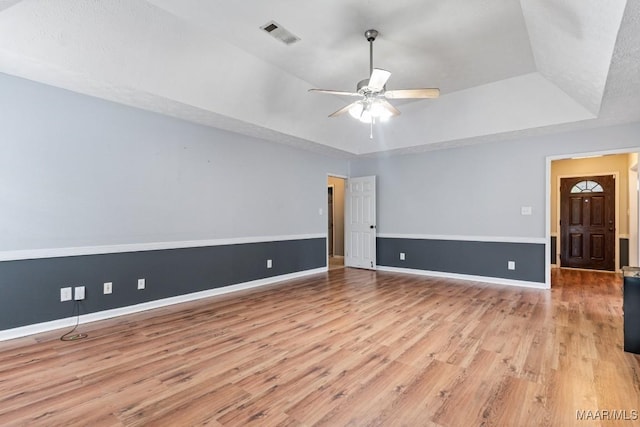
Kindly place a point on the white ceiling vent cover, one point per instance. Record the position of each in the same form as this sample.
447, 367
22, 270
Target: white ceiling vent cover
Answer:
277, 31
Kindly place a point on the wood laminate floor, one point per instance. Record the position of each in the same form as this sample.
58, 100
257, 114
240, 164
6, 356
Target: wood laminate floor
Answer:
350, 347
336, 262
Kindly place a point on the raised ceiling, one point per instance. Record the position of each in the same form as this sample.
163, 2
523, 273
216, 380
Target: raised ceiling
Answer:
504, 67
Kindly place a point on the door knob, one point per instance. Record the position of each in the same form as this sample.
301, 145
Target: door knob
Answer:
372, 226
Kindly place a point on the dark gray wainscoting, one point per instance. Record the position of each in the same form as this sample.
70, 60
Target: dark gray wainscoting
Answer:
30, 289
487, 259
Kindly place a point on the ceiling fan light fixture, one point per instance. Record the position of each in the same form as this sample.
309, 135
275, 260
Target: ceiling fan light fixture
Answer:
356, 109
379, 111
361, 110
369, 110
366, 117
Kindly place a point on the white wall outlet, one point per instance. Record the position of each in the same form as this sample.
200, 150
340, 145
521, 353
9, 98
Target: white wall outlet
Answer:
320, 211
526, 210
401, 256
108, 288
78, 293
65, 294
511, 265
269, 263
142, 283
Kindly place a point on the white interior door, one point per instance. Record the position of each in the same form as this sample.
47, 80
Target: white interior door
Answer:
360, 223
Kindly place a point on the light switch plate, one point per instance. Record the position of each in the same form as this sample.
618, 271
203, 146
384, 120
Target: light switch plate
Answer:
526, 210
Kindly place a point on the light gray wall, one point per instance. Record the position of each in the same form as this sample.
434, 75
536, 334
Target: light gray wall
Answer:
80, 171
478, 190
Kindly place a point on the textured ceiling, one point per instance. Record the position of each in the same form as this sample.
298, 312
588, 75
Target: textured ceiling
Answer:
504, 67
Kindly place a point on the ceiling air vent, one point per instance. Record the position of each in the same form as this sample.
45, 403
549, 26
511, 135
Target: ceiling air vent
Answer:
276, 30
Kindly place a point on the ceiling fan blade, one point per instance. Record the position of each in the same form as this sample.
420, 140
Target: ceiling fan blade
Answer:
412, 93
378, 79
342, 110
390, 108
335, 92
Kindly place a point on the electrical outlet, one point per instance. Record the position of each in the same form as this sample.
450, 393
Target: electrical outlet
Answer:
401, 256
65, 294
269, 263
78, 294
141, 283
108, 288
511, 265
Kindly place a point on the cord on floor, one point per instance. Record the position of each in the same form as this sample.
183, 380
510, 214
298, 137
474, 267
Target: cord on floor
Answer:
78, 336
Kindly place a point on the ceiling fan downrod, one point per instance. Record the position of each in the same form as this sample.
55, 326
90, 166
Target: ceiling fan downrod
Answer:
371, 37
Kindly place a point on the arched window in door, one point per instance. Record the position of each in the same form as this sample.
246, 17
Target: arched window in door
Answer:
587, 187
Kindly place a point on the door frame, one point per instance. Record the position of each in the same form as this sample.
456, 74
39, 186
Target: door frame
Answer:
634, 212
616, 201
333, 218
326, 204
547, 198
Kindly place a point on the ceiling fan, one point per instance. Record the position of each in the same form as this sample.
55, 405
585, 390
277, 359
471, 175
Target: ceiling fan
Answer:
373, 104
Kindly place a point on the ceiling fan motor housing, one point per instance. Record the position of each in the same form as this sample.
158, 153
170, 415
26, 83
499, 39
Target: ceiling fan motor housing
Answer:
363, 87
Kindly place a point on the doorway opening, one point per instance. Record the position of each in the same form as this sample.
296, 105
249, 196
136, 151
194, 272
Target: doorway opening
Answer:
583, 232
335, 221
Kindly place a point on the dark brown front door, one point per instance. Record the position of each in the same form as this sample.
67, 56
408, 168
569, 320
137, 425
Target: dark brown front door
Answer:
587, 215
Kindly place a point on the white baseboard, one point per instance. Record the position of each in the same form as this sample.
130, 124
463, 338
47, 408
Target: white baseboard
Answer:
486, 279
37, 328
